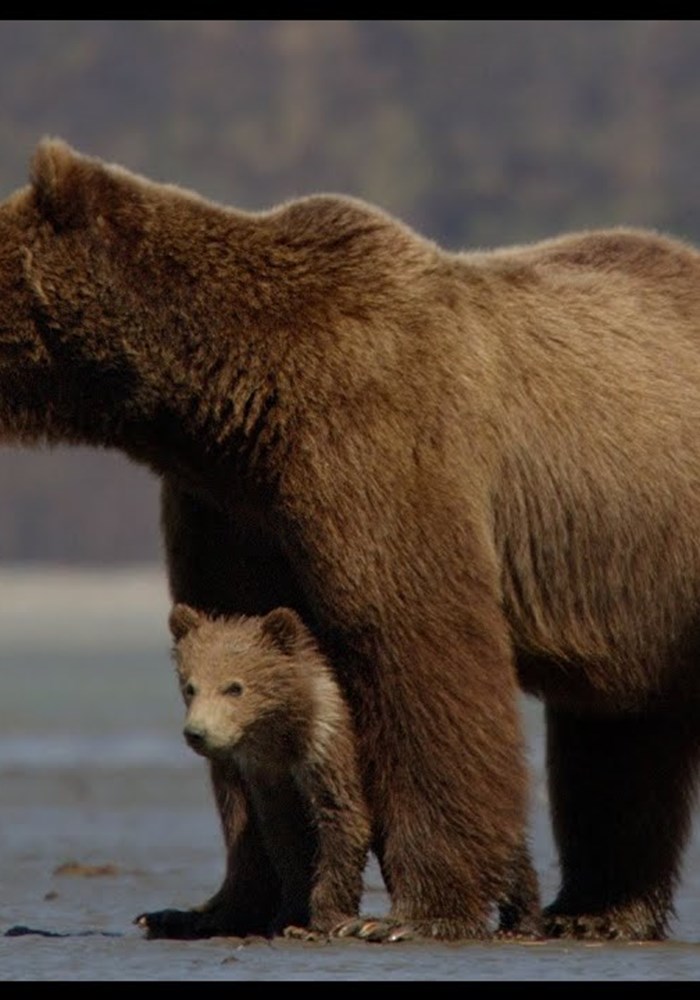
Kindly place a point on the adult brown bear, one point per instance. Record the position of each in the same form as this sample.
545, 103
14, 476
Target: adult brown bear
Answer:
464, 471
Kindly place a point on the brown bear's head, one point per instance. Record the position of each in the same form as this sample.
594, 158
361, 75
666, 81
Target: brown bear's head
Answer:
27, 383
92, 295
58, 237
138, 315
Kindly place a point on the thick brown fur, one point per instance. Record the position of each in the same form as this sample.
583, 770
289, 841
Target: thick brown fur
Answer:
262, 701
469, 473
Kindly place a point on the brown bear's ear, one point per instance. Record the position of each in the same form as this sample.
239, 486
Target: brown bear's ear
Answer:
73, 190
284, 627
60, 177
182, 619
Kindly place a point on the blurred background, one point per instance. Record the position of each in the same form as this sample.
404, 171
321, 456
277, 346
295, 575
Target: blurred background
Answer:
474, 132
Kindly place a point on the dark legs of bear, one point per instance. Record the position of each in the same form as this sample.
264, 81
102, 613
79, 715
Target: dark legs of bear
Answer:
621, 793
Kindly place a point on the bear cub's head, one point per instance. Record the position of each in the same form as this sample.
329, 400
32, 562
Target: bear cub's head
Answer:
253, 687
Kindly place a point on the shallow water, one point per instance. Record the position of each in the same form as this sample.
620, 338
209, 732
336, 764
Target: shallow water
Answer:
93, 772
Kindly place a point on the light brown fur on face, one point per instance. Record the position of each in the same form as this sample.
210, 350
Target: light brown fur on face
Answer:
245, 699
468, 473
261, 700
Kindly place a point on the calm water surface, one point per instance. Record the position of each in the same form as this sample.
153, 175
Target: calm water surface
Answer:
93, 773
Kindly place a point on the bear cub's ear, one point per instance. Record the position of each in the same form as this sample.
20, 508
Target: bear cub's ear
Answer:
284, 627
182, 619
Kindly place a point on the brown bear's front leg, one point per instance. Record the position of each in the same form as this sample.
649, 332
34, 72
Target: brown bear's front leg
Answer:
250, 894
446, 779
621, 790
519, 913
223, 564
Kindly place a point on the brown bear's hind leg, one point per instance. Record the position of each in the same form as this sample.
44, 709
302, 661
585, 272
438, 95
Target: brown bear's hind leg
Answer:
621, 791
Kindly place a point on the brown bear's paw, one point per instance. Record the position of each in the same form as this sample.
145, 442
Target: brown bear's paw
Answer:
522, 933
526, 928
388, 929
616, 925
183, 925
305, 934
324, 925
374, 929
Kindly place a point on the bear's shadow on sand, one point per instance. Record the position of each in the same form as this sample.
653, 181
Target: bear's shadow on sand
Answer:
19, 930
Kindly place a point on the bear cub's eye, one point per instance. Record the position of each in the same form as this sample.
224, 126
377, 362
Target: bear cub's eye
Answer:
235, 689
188, 690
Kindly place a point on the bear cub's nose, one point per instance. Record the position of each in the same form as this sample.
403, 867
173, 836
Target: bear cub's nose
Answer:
196, 738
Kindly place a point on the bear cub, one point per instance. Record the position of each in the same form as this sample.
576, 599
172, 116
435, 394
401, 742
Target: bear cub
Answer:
261, 697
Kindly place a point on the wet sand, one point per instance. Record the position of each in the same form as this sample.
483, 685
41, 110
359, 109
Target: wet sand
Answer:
84, 849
